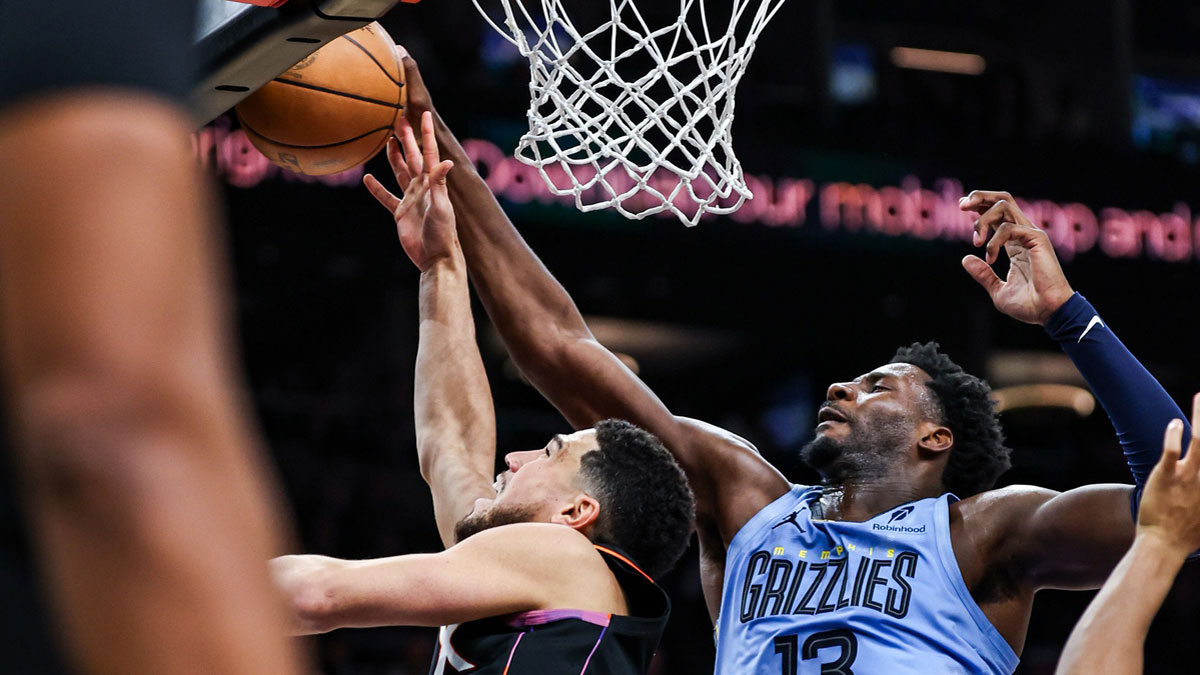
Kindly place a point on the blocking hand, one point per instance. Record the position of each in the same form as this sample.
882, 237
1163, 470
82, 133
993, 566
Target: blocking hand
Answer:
417, 94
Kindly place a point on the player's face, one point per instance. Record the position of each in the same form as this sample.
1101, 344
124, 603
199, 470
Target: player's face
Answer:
868, 423
535, 486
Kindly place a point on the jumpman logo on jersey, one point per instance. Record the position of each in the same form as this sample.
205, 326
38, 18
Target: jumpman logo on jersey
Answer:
791, 518
447, 656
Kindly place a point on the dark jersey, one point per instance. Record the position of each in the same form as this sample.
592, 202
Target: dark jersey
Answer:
66, 44
562, 641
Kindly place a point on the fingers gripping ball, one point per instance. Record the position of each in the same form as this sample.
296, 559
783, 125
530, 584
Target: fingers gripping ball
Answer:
332, 111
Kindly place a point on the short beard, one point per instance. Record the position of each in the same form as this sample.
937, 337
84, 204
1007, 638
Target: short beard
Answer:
866, 456
474, 523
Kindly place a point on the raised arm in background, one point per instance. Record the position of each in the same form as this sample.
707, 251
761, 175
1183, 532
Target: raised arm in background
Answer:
1071, 539
550, 342
1111, 634
455, 420
1037, 292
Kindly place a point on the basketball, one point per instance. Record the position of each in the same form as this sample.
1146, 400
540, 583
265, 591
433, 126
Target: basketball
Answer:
332, 111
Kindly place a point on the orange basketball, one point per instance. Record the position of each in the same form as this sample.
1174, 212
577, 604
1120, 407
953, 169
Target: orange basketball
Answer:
332, 111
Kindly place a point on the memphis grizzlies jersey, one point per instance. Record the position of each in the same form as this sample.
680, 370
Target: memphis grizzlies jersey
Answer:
805, 596
563, 641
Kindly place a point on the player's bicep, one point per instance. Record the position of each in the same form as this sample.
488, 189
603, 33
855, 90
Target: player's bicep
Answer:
489, 574
1073, 539
731, 479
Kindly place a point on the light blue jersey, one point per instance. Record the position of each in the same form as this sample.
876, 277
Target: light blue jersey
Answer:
806, 596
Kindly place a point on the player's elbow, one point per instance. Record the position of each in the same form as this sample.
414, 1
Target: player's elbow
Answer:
308, 586
315, 604
442, 458
96, 128
427, 460
430, 456
549, 346
96, 450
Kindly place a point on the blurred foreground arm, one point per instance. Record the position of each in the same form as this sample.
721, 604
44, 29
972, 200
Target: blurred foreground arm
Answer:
1110, 636
152, 508
455, 420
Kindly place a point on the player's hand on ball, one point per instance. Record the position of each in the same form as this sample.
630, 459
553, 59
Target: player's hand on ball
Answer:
424, 216
417, 95
1035, 285
1170, 509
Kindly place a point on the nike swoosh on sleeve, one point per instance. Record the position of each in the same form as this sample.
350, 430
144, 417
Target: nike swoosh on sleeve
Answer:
1091, 324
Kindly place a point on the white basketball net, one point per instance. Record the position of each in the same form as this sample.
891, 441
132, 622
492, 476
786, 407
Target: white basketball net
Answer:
636, 116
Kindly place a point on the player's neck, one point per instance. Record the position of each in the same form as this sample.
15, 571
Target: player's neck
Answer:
858, 502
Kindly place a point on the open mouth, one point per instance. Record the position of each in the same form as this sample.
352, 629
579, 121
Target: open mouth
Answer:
829, 413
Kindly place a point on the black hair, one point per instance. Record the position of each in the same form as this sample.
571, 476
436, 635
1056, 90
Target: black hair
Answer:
978, 456
646, 506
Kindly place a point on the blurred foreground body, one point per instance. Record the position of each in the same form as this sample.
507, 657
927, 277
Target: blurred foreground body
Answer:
152, 511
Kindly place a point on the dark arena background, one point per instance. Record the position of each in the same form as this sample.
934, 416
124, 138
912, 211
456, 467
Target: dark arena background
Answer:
1089, 113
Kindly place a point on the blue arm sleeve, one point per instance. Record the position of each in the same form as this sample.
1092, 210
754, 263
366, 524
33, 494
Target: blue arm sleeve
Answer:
1137, 404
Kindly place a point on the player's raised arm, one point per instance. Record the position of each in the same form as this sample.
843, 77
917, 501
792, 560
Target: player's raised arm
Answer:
455, 421
1036, 291
549, 340
1112, 632
1068, 540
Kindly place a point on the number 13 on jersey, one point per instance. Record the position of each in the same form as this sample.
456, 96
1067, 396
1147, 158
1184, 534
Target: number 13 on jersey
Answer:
791, 651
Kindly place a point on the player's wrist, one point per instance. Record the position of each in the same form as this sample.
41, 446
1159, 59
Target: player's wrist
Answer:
450, 148
448, 263
1069, 318
1054, 301
1162, 544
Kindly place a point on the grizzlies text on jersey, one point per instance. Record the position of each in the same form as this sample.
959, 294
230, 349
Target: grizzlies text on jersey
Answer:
808, 596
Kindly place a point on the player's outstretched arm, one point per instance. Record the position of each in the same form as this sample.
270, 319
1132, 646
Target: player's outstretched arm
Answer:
1110, 636
549, 340
1036, 291
455, 421
1046, 539
504, 570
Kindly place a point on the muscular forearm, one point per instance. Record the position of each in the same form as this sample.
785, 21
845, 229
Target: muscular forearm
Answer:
455, 421
529, 307
1139, 407
1110, 635
540, 325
